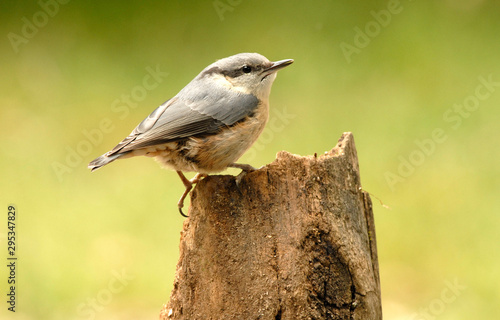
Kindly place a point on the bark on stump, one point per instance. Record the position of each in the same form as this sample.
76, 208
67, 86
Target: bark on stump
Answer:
294, 240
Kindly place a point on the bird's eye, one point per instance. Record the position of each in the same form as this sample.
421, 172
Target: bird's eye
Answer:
246, 69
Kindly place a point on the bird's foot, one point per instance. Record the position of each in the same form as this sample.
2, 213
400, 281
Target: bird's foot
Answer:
242, 166
245, 168
189, 185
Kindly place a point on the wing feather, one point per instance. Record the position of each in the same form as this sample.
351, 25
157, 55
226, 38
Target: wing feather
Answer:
196, 110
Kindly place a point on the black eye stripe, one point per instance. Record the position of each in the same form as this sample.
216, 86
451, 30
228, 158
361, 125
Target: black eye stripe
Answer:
236, 72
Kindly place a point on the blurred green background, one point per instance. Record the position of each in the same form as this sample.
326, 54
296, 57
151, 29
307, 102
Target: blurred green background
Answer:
417, 82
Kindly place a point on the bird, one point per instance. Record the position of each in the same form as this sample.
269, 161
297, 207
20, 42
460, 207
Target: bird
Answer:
209, 124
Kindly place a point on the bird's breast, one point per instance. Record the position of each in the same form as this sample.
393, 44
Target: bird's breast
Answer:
213, 153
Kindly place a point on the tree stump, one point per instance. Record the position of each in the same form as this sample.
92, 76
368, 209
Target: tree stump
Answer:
292, 240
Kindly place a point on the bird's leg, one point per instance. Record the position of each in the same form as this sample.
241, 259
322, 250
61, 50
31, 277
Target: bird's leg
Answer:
245, 168
189, 185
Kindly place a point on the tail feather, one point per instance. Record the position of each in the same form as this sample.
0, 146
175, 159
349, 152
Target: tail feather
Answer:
103, 160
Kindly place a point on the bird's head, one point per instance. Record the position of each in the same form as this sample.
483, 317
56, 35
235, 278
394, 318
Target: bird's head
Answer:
249, 73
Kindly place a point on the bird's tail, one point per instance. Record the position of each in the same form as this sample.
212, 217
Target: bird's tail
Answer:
103, 160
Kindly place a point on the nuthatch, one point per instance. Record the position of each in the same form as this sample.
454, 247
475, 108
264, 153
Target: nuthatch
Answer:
209, 124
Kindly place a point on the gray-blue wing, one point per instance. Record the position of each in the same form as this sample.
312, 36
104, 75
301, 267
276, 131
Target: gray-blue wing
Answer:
218, 101
192, 112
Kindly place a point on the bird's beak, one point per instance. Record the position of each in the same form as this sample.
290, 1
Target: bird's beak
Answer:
275, 66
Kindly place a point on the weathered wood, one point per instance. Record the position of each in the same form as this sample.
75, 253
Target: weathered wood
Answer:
294, 240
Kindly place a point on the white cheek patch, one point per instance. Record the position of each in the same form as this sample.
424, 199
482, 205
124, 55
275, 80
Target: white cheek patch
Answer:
221, 81
242, 90
226, 82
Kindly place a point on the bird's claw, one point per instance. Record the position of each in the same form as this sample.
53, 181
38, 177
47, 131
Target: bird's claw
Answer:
240, 176
245, 168
189, 185
182, 213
